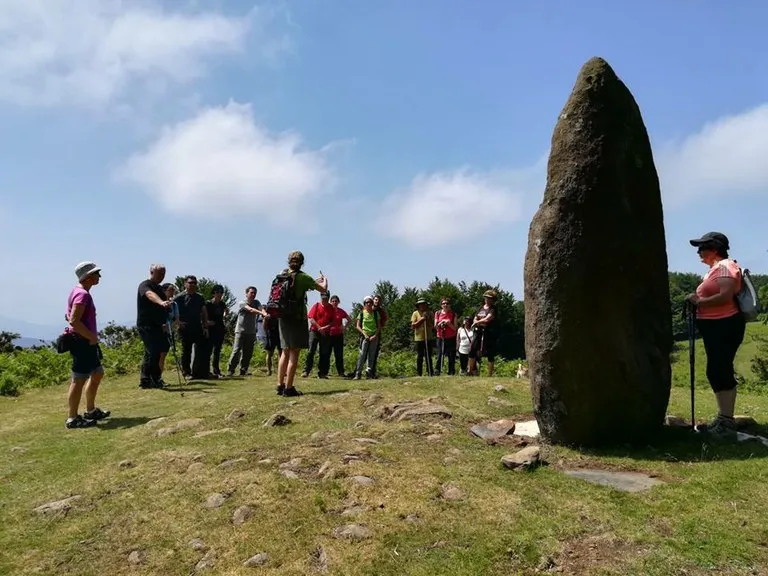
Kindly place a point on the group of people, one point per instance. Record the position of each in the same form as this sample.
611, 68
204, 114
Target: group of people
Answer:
201, 325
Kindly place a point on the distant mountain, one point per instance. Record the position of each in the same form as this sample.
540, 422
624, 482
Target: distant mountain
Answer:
29, 342
30, 331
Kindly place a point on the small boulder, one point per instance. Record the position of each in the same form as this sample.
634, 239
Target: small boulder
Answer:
352, 532
494, 430
135, 558
292, 464
231, 463
499, 388
241, 515
57, 506
155, 422
451, 492
324, 468
206, 562
525, 459
236, 414
257, 560
198, 544
290, 474
195, 467
125, 464
188, 423
363, 480
215, 500
276, 420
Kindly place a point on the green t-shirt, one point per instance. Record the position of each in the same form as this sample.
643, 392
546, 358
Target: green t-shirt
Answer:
368, 323
302, 284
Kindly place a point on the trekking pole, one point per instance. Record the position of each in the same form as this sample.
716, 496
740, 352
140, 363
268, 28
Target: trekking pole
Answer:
689, 310
175, 355
426, 348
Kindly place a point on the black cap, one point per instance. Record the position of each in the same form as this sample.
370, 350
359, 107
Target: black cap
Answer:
712, 239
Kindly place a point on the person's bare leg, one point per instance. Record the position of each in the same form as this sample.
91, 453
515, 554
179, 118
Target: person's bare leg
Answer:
490, 368
282, 367
293, 364
726, 402
91, 389
269, 362
74, 395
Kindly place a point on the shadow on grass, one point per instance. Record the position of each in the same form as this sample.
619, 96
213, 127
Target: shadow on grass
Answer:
121, 423
311, 392
677, 444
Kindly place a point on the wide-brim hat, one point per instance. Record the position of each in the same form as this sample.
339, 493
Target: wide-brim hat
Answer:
490, 294
85, 269
421, 301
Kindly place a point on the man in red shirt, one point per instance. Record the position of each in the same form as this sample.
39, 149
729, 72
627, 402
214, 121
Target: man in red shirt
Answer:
320, 317
337, 333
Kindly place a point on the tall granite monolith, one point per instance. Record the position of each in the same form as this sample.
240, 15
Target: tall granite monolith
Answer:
598, 326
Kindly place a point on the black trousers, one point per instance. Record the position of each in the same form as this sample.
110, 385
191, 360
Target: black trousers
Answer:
722, 338
423, 350
155, 342
446, 348
337, 345
464, 362
194, 338
320, 343
215, 342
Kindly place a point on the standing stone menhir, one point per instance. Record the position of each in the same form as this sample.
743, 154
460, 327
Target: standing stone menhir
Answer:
598, 327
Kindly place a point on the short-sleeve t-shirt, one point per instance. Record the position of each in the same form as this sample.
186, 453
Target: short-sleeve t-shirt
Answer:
302, 284
445, 332
418, 333
709, 287
337, 326
216, 313
322, 314
369, 322
490, 328
80, 295
190, 306
147, 312
247, 321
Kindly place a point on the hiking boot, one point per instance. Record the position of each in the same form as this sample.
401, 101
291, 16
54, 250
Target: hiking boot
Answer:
722, 426
305, 374
79, 422
280, 389
292, 392
322, 376
96, 414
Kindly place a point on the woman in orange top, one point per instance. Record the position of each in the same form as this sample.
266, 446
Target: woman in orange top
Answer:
720, 324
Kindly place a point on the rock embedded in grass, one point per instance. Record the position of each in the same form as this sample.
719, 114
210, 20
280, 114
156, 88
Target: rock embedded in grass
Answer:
236, 414
232, 463
57, 506
215, 500
494, 430
352, 532
205, 433
524, 459
135, 558
207, 562
451, 493
276, 420
372, 399
198, 544
258, 560
363, 480
123, 464
155, 422
242, 515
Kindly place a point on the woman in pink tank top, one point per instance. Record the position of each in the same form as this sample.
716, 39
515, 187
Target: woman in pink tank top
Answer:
720, 324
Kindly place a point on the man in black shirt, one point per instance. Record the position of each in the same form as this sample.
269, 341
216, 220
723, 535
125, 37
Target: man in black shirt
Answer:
217, 314
151, 314
193, 330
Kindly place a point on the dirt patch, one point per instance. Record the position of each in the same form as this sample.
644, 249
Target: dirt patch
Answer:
585, 554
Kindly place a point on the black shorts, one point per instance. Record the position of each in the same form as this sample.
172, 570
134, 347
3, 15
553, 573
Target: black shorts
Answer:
483, 346
86, 358
272, 340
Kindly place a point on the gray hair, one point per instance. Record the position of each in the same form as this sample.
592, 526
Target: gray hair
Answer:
155, 267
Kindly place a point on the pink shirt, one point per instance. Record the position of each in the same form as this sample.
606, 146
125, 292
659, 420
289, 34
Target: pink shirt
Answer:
709, 287
336, 326
80, 295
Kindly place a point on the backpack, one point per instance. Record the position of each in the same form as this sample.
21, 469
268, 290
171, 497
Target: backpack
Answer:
746, 298
282, 302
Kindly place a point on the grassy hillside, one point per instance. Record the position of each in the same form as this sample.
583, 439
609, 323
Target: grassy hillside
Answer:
143, 496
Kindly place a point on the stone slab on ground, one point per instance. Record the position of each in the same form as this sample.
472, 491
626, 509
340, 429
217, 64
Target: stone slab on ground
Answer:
493, 430
624, 481
528, 428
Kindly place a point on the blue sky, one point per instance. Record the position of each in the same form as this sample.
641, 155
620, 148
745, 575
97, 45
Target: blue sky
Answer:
394, 140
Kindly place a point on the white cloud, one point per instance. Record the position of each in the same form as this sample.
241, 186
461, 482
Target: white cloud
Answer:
221, 164
725, 157
93, 52
451, 207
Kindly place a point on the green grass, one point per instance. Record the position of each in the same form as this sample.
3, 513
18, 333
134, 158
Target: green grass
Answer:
708, 516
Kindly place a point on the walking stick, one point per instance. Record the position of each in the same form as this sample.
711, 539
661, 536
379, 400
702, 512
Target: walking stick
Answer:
426, 348
175, 355
690, 311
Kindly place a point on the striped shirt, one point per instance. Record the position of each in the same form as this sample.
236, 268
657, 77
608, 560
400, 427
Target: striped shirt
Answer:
726, 268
